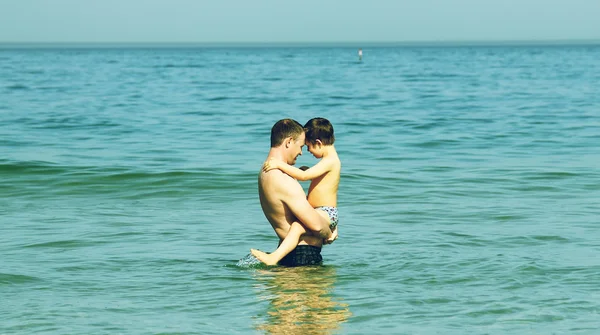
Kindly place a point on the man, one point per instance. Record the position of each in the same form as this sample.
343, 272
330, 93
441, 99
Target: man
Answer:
283, 200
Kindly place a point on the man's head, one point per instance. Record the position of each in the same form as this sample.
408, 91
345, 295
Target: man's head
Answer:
288, 136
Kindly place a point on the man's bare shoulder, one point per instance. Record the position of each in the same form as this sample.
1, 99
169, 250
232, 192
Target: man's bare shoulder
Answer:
277, 179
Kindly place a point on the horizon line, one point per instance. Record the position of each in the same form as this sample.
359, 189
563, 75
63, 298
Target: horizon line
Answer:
424, 43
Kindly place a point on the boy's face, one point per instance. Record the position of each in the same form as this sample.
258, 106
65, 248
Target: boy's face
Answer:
315, 149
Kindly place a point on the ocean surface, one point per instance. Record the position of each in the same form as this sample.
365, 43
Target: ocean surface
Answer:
469, 200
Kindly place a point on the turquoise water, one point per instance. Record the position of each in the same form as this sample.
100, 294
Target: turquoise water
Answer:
469, 200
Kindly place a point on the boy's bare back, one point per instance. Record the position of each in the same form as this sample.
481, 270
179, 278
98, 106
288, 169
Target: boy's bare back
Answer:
323, 189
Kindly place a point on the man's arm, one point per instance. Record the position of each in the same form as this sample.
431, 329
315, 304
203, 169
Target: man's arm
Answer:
295, 199
321, 168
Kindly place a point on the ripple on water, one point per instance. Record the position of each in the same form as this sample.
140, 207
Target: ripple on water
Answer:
15, 279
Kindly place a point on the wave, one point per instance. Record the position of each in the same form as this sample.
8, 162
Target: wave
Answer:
180, 66
9, 278
67, 123
40, 179
220, 98
17, 87
66, 244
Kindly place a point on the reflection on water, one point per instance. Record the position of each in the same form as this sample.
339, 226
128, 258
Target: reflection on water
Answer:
301, 300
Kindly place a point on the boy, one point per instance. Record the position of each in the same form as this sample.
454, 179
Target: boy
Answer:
322, 193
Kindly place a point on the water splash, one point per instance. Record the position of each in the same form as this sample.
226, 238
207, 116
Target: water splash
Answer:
249, 261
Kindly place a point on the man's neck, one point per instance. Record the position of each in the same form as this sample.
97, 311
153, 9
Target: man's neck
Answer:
276, 153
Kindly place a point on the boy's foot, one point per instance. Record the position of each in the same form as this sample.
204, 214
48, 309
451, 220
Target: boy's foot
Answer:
268, 259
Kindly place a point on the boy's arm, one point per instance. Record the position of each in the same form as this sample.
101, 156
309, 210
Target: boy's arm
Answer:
321, 168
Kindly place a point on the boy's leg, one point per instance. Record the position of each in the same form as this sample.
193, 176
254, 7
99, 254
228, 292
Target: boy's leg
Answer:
290, 241
288, 244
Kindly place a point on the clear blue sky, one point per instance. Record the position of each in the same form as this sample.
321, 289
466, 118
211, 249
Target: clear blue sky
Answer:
180, 21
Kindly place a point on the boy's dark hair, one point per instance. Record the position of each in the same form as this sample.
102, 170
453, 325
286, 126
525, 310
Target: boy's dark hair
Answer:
319, 129
283, 129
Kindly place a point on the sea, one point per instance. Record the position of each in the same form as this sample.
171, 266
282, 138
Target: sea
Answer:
469, 197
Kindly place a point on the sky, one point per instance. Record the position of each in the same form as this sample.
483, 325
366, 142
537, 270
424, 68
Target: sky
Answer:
296, 21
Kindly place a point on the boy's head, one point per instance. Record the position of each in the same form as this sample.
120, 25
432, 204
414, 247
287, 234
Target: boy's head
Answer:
319, 129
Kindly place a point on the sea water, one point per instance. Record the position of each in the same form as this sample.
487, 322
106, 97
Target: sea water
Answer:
469, 198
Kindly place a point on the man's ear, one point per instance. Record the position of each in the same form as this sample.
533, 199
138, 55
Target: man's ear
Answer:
288, 142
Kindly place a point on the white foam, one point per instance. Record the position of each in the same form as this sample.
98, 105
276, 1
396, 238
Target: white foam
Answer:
248, 261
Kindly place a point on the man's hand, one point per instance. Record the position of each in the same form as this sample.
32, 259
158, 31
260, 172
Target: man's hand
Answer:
333, 237
271, 164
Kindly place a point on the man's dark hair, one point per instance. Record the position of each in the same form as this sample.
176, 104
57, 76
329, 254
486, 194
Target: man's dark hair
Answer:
283, 129
319, 129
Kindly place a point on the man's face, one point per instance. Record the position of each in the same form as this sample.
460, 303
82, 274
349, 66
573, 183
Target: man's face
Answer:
295, 149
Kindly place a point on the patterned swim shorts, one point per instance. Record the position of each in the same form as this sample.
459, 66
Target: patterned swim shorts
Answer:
333, 215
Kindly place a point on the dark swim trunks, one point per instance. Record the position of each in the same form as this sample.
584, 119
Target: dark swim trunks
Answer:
303, 255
